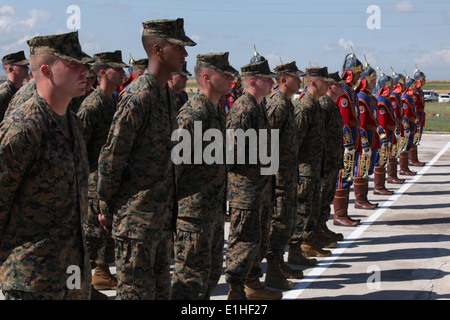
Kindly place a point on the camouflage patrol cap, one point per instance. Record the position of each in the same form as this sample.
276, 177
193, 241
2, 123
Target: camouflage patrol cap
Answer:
17, 58
111, 59
171, 30
65, 46
319, 72
140, 64
216, 61
336, 78
289, 69
257, 69
184, 71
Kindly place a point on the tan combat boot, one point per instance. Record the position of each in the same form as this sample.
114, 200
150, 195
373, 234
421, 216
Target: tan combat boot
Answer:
311, 249
274, 277
103, 279
297, 256
236, 292
288, 272
254, 290
331, 234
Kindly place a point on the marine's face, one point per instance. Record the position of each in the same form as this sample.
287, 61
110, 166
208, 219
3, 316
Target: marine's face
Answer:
174, 56
264, 84
20, 71
221, 82
70, 78
115, 75
293, 83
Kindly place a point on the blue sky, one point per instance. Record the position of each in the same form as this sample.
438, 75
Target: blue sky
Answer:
309, 32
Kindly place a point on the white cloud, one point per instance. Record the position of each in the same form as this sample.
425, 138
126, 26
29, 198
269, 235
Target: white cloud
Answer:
404, 6
15, 30
10, 24
346, 44
436, 58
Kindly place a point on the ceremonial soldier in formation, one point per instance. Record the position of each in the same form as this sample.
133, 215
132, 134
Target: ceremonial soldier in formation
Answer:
334, 151
201, 190
16, 69
366, 153
396, 102
96, 113
387, 120
178, 83
419, 77
249, 192
348, 105
410, 122
136, 184
376, 135
44, 180
280, 112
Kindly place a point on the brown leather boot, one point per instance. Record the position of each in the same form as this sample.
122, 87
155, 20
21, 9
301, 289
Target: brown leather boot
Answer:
361, 188
274, 276
392, 172
379, 180
236, 292
254, 290
103, 279
412, 158
404, 168
341, 217
312, 249
297, 256
288, 272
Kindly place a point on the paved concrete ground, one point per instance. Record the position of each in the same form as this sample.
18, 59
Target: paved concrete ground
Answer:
400, 251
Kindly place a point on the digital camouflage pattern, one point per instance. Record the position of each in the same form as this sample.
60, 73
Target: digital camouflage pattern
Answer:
65, 46
180, 99
7, 91
280, 113
96, 113
311, 147
171, 30
216, 61
250, 198
22, 95
136, 184
43, 203
17, 58
201, 209
333, 157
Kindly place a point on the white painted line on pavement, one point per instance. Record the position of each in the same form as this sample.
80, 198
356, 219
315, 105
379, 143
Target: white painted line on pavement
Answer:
328, 261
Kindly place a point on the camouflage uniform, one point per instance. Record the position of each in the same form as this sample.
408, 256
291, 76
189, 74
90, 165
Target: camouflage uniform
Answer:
333, 157
21, 96
311, 148
43, 203
7, 91
182, 97
201, 200
7, 88
96, 113
136, 183
250, 195
280, 112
